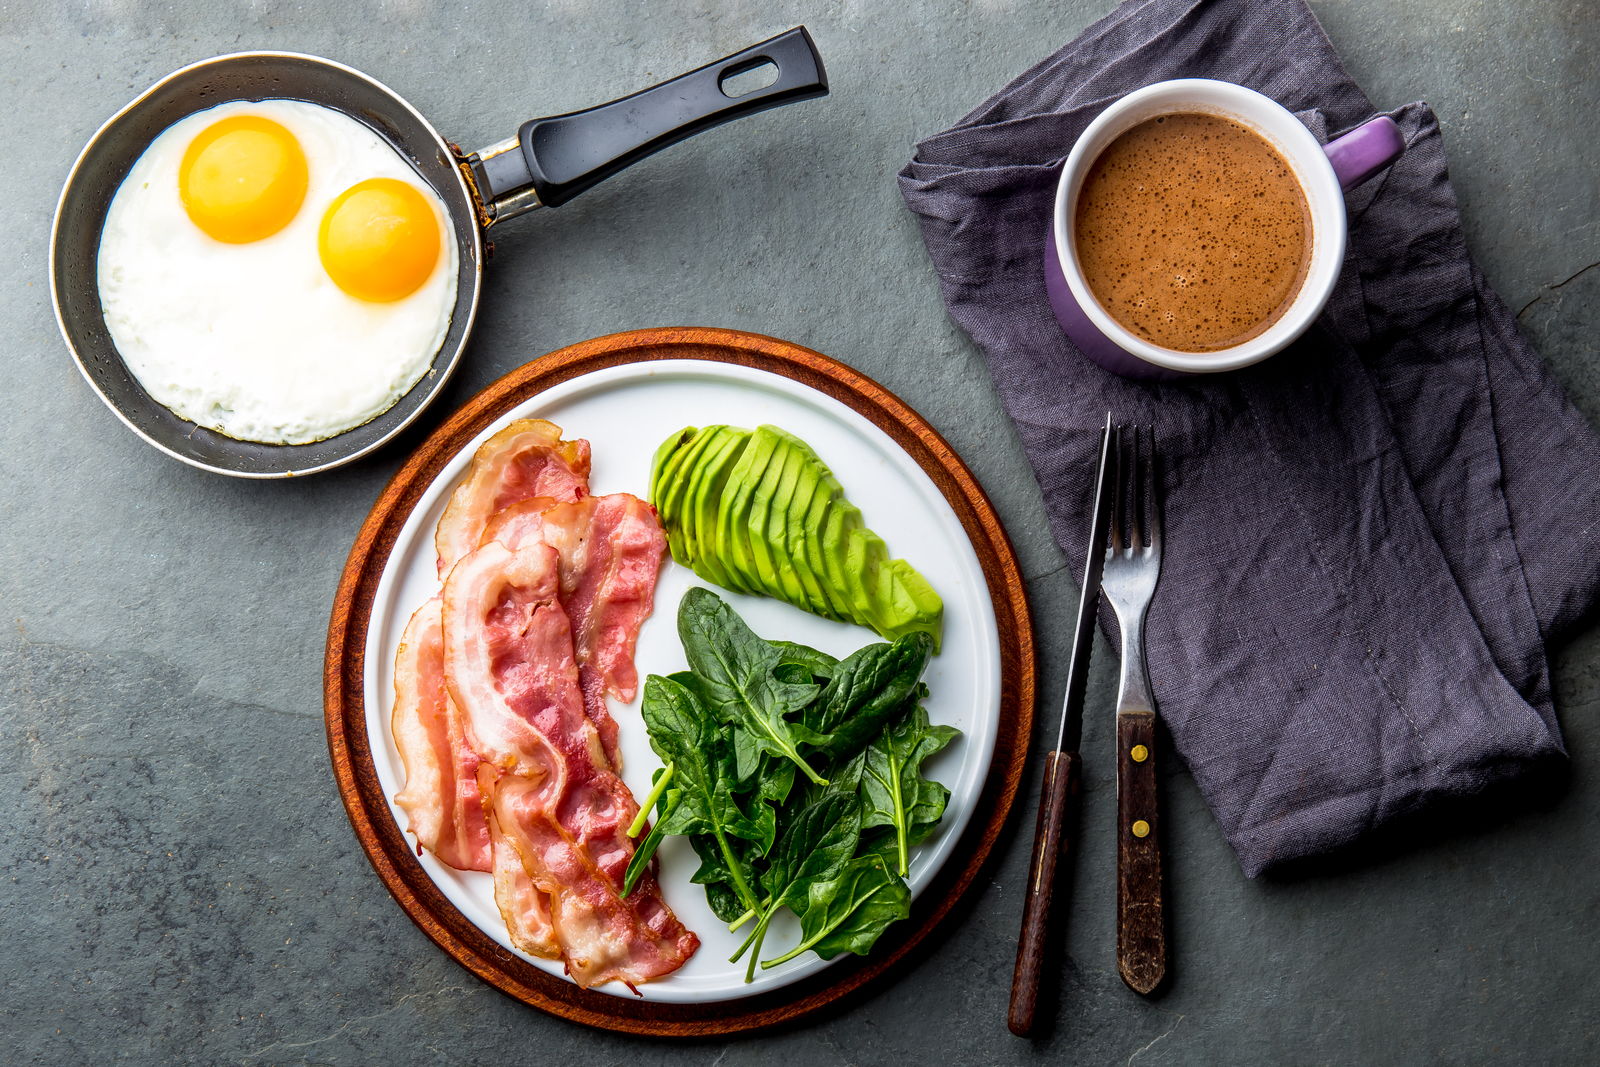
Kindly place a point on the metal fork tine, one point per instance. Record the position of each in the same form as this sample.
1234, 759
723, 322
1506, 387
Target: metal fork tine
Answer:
1152, 493
1118, 493
1135, 490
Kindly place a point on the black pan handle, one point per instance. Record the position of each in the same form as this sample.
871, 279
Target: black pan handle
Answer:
563, 155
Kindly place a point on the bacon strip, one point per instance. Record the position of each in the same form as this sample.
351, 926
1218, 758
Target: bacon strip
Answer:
611, 548
509, 667
527, 459
441, 798
523, 906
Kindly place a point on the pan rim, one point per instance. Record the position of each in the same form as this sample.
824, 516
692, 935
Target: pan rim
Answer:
440, 375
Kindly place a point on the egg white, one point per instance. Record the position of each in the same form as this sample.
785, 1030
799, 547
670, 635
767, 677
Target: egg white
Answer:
255, 340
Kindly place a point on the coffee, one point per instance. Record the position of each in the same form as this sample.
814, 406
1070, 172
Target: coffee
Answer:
1193, 232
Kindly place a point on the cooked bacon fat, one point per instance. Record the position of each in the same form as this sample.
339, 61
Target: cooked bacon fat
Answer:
527, 459
510, 668
441, 798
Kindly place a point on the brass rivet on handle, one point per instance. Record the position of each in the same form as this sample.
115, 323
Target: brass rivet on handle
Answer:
1140, 828
1139, 754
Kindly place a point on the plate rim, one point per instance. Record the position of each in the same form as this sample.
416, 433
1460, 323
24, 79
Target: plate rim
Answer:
344, 679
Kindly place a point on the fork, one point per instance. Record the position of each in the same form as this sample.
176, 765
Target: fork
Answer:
1133, 563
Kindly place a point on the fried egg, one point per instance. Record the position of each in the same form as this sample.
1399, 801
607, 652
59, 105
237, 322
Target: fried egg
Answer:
275, 271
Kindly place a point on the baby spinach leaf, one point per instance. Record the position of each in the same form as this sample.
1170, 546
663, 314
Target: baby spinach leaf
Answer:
713, 873
816, 664
737, 673
819, 841
847, 912
868, 688
683, 734
894, 792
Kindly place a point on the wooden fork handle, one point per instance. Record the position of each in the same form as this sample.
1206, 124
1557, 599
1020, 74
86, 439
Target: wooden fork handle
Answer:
1058, 805
1141, 926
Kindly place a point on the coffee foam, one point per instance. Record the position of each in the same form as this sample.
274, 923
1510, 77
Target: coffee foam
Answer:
1193, 232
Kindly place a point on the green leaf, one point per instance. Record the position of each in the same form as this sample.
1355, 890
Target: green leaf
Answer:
848, 912
683, 734
893, 791
815, 844
714, 875
737, 675
868, 689
819, 840
816, 664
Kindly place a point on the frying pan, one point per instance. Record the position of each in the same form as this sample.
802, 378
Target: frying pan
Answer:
547, 163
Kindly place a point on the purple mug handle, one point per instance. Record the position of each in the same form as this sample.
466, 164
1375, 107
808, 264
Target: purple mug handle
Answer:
1364, 151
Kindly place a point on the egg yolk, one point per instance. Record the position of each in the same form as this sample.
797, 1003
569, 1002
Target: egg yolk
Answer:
379, 240
242, 179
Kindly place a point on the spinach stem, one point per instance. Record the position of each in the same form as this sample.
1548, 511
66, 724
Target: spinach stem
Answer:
895, 789
760, 935
747, 916
751, 936
740, 886
637, 826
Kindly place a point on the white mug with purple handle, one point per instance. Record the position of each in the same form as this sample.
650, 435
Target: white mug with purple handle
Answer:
1324, 172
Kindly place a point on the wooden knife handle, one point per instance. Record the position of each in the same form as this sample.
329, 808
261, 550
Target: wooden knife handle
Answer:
1058, 804
1141, 927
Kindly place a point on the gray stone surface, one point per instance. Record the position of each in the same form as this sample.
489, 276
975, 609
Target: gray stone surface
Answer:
177, 878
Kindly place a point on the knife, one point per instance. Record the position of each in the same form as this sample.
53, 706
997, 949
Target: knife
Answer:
1058, 802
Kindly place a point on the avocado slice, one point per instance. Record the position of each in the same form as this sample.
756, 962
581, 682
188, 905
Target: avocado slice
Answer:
769, 567
675, 489
798, 587
864, 554
826, 501
916, 605
800, 537
671, 499
839, 518
705, 487
733, 525
658, 462
805, 540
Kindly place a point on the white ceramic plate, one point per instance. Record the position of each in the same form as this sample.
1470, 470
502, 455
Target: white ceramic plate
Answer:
625, 413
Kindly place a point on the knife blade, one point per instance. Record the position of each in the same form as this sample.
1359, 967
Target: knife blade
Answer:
1059, 795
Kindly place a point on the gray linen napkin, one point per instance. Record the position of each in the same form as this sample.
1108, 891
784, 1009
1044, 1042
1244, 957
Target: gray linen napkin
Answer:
1371, 536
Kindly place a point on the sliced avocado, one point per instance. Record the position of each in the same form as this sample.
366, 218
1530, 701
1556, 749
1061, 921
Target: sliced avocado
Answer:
839, 518
706, 485
759, 512
733, 532
766, 564
916, 605
658, 462
675, 499
797, 538
792, 464
825, 497
864, 554
672, 497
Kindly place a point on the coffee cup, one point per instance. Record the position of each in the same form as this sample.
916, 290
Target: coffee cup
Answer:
1323, 172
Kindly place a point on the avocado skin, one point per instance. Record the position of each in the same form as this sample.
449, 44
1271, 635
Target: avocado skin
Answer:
759, 512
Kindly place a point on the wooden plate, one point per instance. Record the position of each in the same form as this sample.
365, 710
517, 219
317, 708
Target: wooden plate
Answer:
390, 851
